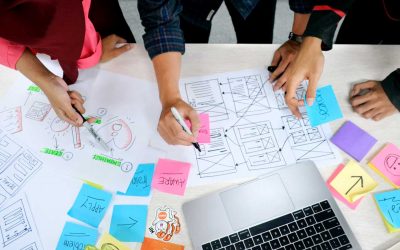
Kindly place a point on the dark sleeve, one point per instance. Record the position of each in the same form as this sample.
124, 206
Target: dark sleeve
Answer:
160, 19
391, 86
301, 6
324, 18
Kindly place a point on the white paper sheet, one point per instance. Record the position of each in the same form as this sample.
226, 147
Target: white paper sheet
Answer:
17, 226
115, 99
252, 130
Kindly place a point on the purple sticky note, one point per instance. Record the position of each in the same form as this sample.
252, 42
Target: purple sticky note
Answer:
353, 140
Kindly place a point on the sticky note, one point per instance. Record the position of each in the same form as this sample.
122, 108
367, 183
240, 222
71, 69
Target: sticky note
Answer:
108, 242
204, 131
325, 107
76, 236
140, 184
171, 176
336, 194
387, 164
353, 182
353, 140
91, 205
389, 207
128, 222
151, 244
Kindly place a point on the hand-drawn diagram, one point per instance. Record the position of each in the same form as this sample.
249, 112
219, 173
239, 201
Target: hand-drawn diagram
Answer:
17, 165
392, 164
17, 230
306, 142
38, 111
117, 133
215, 158
300, 94
11, 120
206, 97
249, 95
259, 145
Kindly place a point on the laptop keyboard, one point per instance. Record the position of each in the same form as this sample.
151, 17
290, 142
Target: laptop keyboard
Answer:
313, 228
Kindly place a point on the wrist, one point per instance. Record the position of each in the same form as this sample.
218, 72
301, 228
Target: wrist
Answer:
312, 43
168, 99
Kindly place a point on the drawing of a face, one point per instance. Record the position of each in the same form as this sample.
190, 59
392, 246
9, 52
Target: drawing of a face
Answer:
118, 133
392, 164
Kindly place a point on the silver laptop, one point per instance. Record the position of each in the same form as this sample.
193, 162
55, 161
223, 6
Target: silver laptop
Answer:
290, 208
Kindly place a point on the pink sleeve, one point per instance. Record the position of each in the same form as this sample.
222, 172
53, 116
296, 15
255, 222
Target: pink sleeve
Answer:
10, 53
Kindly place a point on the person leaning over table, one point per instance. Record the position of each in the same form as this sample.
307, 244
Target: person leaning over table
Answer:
168, 24
374, 22
316, 29
79, 33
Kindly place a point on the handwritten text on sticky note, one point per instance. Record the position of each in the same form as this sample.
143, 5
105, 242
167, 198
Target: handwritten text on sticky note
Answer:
389, 205
387, 162
353, 182
140, 184
90, 206
204, 131
75, 236
325, 107
128, 222
171, 176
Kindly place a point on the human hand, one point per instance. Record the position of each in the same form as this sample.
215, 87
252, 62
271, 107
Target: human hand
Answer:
62, 100
307, 65
110, 49
169, 128
283, 56
374, 104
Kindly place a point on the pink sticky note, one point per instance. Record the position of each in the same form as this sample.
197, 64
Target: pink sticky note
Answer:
336, 194
387, 162
171, 176
204, 131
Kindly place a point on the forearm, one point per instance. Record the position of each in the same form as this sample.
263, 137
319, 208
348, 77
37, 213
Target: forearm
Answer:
300, 23
167, 67
30, 66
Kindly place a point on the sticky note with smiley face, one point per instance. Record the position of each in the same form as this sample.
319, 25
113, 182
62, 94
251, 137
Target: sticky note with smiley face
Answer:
387, 164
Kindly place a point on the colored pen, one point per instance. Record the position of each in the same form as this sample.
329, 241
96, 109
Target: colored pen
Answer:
89, 127
185, 128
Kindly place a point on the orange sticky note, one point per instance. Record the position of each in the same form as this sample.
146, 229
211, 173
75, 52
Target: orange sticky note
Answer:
151, 244
204, 131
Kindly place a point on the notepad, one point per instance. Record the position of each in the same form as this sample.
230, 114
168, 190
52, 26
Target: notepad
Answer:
76, 236
353, 140
109, 241
325, 107
388, 204
204, 131
336, 194
91, 205
387, 164
171, 176
140, 184
128, 222
152, 244
353, 182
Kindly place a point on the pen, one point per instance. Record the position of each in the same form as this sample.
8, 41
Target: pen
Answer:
272, 68
185, 128
89, 127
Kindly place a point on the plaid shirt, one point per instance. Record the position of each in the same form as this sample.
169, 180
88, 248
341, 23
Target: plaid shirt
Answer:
160, 19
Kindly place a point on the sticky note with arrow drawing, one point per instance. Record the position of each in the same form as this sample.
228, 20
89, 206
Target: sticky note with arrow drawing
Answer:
353, 182
128, 222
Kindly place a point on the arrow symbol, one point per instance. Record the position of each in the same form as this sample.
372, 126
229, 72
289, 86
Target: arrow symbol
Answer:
129, 225
56, 142
359, 179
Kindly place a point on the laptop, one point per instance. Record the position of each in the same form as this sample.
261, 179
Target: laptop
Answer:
288, 209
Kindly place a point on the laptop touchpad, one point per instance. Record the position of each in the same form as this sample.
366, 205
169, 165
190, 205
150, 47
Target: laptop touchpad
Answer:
257, 201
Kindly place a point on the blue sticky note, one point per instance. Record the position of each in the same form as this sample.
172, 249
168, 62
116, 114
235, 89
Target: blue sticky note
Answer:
128, 222
325, 107
389, 204
91, 205
141, 182
75, 236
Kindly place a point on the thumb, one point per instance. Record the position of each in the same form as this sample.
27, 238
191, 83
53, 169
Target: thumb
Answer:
195, 121
311, 91
124, 48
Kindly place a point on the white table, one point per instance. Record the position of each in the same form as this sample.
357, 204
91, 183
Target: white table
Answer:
345, 65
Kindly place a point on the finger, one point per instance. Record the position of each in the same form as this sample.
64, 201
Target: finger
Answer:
290, 97
76, 95
280, 83
178, 133
362, 109
359, 86
371, 113
170, 138
78, 105
119, 39
61, 114
276, 58
91, 119
119, 51
359, 100
281, 68
195, 121
71, 114
311, 90
379, 116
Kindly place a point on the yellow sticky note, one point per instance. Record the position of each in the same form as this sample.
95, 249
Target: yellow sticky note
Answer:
353, 182
95, 185
108, 242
